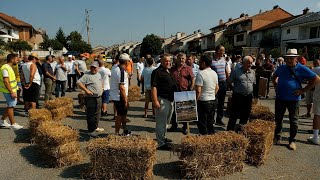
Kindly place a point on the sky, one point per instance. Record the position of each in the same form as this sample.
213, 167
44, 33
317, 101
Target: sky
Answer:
114, 22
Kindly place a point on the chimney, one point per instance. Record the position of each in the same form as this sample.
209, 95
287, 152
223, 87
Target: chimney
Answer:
194, 32
178, 35
275, 7
230, 19
242, 15
306, 10
199, 30
220, 22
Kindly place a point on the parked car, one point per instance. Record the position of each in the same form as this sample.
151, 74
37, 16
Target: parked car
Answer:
73, 53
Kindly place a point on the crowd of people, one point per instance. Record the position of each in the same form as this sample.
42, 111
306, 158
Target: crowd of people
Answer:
209, 77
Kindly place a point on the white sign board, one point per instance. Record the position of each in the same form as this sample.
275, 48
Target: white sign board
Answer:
186, 106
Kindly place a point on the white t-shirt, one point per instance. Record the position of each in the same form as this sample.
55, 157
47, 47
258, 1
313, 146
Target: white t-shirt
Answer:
208, 79
53, 64
140, 67
146, 74
118, 76
71, 68
81, 65
5, 73
105, 74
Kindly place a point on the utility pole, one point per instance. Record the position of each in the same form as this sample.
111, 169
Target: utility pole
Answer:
87, 25
164, 34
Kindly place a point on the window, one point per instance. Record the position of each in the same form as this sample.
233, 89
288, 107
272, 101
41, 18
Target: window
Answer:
10, 32
254, 37
314, 32
240, 37
288, 31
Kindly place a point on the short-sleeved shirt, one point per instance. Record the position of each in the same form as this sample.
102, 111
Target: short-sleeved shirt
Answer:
243, 81
208, 80
118, 76
195, 69
71, 68
146, 74
164, 82
61, 75
129, 67
183, 76
140, 67
93, 82
53, 64
288, 84
105, 75
81, 65
219, 66
46, 67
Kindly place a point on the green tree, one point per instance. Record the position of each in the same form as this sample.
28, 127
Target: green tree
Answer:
275, 52
74, 36
53, 43
60, 36
80, 46
227, 45
151, 44
19, 46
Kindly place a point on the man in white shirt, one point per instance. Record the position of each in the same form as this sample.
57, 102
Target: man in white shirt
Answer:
119, 92
105, 75
71, 74
206, 87
140, 67
146, 78
190, 62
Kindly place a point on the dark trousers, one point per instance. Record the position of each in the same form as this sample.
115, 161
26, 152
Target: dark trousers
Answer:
61, 87
142, 84
280, 109
240, 108
74, 81
221, 96
206, 111
93, 105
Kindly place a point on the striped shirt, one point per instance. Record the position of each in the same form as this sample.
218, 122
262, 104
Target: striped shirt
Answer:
219, 66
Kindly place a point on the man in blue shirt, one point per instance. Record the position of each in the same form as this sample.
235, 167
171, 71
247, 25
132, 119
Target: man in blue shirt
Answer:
287, 82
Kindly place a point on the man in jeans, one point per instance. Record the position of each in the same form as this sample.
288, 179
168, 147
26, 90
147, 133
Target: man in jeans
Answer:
287, 82
163, 86
48, 77
206, 87
91, 84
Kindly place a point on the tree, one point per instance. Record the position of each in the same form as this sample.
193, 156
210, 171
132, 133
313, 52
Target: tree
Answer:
74, 36
151, 44
80, 46
226, 44
2, 46
19, 46
62, 38
53, 43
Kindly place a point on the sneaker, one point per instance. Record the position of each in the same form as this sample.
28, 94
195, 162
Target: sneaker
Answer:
220, 123
126, 132
314, 140
16, 126
4, 123
164, 148
292, 146
99, 130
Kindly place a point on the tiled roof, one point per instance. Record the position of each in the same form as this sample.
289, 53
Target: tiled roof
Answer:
309, 17
14, 21
275, 24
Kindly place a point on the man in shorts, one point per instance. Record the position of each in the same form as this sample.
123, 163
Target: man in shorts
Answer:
105, 75
146, 78
9, 87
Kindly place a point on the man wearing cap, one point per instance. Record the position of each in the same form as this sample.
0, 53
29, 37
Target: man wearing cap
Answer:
9, 87
71, 74
32, 84
48, 77
287, 82
119, 92
91, 83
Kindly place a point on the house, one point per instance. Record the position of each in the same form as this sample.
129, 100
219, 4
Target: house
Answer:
167, 42
98, 49
302, 32
181, 43
237, 31
13, 29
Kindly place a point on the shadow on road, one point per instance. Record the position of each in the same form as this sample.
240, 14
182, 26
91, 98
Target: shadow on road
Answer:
168, 170
32, 155
74, 172
22, 136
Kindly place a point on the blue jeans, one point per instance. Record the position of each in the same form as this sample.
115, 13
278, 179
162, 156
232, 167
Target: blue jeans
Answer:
206, 111
61, 87
280, 109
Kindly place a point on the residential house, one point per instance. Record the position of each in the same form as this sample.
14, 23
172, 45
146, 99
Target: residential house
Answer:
181, 44
302, 32
14, 29
237, 31
167, 42
99, 49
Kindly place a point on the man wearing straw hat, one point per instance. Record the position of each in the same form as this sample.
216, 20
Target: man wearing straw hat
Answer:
287, 82
91, 83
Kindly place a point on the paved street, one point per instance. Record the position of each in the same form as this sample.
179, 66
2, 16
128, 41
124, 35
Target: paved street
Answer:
20, 160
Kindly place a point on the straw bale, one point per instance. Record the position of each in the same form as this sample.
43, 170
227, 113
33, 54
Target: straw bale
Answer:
66, 160
67, 100
212, 156
55, 134
121, 157
61, 150
134, 93
261, 112
37, 116
59, 113
57, 103
260, 134
69, 110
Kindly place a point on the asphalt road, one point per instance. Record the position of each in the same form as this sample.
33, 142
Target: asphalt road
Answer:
20, 160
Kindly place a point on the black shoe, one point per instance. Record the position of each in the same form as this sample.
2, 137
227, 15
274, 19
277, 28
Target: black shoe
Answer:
164, 148
172, 129
220, 123
168, 140
69, 90
74, 90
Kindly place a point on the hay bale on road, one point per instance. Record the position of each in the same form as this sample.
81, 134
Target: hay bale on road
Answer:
260, 134
58, 114
37, 116
58, 144
134, 93
212, 156
121, 157
261, 112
